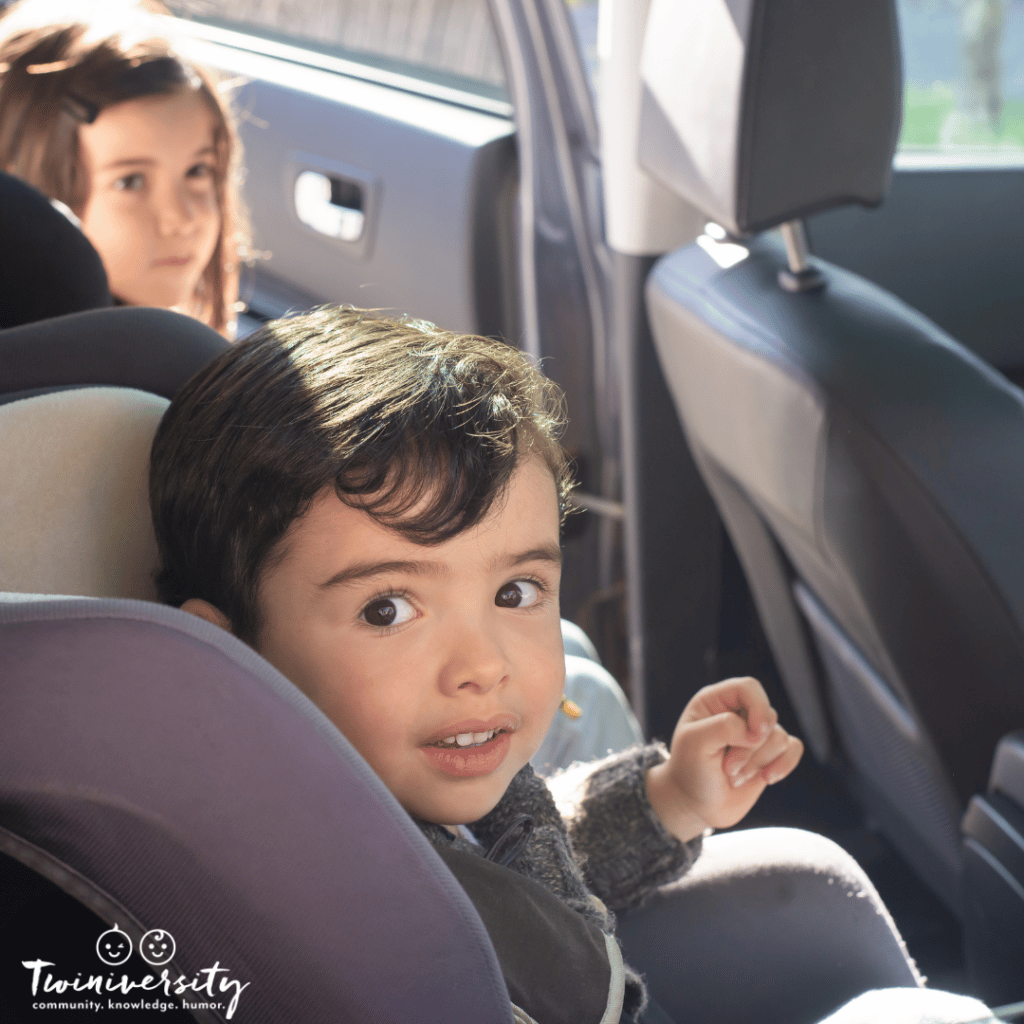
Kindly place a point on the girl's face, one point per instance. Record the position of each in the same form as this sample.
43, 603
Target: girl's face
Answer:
151, 210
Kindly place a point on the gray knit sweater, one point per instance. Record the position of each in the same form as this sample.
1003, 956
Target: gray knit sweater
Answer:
601, 839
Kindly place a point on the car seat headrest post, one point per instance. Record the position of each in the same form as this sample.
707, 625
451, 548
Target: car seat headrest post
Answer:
800, 277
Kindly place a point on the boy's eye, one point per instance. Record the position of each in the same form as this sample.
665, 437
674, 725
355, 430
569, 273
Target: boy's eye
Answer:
388, 611
130, 183
517, 594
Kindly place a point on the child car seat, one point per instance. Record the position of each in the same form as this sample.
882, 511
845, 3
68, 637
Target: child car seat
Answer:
74, 506
47, 266
162, 773
157, 769
191, 806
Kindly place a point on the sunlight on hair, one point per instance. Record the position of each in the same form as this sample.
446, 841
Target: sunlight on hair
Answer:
125, 19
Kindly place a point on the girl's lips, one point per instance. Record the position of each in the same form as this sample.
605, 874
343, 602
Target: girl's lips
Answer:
173, 261
467, 762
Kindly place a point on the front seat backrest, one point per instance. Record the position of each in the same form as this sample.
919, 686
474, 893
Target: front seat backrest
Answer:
866, 466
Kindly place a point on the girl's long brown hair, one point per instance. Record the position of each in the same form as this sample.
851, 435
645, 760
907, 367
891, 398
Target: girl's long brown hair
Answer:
56, 75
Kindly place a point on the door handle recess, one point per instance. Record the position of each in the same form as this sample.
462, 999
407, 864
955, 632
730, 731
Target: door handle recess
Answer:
330, 205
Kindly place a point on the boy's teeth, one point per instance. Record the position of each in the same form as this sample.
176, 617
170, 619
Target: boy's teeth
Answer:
470, 739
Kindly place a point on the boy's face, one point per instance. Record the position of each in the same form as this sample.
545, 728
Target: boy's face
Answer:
405, 646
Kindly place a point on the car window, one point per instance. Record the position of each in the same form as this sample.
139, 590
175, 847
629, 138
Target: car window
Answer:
963, 69
448, 40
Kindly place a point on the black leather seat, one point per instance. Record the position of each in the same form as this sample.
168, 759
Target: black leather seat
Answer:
869, 469
47, 266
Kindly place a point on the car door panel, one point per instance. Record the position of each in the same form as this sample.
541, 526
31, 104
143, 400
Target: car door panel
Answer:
428, 172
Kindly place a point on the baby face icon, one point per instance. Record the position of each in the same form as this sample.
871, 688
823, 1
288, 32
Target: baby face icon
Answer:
114, 947
157, 947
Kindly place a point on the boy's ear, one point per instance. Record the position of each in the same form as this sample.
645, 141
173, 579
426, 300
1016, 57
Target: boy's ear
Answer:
204, 610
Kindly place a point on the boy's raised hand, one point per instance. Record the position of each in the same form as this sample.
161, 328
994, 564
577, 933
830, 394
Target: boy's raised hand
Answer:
726, 748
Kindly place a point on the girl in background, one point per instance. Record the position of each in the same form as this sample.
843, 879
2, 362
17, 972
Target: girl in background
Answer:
99, 113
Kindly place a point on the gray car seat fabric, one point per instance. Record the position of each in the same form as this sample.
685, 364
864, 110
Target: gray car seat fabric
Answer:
190, 784
867, 466
47, 266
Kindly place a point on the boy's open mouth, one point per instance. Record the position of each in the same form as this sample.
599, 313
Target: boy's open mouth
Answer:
467, 739
469, 754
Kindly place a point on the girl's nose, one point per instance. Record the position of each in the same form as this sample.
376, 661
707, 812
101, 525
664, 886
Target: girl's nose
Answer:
180, 212
476, 661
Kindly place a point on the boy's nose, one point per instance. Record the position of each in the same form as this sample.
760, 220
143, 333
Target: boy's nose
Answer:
476, 661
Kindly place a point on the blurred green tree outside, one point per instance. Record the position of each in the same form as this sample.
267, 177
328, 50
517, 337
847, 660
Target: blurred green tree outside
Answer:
975, 99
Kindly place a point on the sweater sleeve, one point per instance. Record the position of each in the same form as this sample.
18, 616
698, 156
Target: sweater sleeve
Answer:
625, 851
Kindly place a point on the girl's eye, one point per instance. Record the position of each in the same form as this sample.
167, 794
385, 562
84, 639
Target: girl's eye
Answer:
388, 611
518, 594
130, 183
199, 171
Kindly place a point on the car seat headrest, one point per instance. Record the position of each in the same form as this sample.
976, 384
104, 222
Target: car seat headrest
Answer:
760, 112
47, 266
153, 350
74, 506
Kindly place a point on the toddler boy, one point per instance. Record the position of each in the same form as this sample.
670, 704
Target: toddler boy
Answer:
374, 506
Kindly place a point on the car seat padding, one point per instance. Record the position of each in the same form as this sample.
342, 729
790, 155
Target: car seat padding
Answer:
168, 763
74, 507
153, 350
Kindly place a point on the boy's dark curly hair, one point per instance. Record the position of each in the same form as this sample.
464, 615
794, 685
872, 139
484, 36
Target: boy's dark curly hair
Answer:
419, 427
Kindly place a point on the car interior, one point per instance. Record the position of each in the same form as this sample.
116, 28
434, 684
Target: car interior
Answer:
863, 462
791, 354
47, 272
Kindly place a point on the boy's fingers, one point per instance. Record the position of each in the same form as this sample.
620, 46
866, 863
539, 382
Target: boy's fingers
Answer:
711, 735
756, 750
772, 761
745, 697
777, 770
743, 764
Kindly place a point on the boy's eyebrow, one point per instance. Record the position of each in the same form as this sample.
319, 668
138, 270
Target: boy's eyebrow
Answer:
364, 570
544, 553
